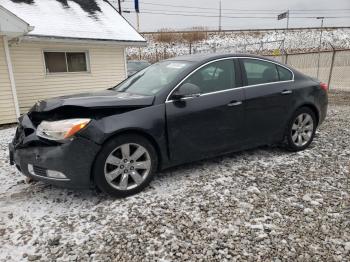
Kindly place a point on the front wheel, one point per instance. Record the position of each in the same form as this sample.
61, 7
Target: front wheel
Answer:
301, 129
125, 165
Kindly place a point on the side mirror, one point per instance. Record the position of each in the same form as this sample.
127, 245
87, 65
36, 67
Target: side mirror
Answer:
186, 90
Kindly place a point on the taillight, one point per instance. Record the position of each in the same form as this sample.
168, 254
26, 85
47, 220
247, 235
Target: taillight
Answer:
324, 86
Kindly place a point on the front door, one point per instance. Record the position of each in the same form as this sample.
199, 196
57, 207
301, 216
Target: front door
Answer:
212, 123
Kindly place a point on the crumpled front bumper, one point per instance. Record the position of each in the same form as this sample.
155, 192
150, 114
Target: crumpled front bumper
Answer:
73, 158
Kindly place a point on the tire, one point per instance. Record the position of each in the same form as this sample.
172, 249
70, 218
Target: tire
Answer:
301, 129
119, 173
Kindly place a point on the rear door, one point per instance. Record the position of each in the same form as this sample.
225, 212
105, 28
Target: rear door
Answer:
211, 123
269, 97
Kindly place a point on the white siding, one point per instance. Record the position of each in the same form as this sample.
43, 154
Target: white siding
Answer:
32, 82
7, 107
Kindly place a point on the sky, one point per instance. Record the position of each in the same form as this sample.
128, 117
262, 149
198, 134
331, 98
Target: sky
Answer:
205, 13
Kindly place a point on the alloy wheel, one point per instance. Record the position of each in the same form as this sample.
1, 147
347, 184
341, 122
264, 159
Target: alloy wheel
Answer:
127, 166
302, 129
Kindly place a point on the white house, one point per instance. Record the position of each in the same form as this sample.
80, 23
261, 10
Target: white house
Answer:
57, 47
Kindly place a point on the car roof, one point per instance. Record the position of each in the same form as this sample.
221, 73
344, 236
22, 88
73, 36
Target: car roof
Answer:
202, 58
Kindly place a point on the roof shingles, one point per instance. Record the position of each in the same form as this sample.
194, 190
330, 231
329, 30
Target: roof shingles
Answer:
80, 19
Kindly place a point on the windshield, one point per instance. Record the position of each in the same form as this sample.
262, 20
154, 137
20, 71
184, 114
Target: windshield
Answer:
154, 78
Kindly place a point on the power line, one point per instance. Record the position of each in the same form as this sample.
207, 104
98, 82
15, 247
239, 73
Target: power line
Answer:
235, 17
209, 13
214, 16
231, 13
247, 10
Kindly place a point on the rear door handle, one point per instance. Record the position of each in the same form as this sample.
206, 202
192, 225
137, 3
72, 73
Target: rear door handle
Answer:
286, 92
234, 103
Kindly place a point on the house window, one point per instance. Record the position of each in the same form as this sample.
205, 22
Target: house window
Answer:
63, 62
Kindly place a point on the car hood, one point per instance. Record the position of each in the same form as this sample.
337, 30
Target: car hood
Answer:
95, 100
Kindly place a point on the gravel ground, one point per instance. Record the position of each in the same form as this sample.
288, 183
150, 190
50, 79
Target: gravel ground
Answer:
258, 205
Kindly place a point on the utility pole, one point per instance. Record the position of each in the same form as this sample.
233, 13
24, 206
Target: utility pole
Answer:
281, 17
319, 46
220, 16
119, 7
137, 10
138, 22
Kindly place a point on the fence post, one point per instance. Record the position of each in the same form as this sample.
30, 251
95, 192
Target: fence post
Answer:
190, 48
331, 69
157, 55
261, 46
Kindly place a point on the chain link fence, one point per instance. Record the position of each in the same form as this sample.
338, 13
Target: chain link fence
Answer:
340, 74
331, 67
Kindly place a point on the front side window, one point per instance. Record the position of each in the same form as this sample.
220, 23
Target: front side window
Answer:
260, 72
214, 77
64, 62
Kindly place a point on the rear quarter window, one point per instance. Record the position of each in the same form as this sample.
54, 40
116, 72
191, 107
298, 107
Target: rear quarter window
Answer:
284, 74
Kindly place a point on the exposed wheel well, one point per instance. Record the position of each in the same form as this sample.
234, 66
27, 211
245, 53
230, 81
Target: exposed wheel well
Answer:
135, 132
314, 109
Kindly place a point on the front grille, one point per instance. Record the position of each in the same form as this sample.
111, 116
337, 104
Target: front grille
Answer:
40, 171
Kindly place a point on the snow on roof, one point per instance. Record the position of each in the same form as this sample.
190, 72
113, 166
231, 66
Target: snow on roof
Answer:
80, 19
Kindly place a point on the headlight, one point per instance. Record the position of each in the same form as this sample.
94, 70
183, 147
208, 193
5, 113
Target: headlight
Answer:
62, 129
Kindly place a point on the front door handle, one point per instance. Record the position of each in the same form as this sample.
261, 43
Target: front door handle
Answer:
234, 103
286, 92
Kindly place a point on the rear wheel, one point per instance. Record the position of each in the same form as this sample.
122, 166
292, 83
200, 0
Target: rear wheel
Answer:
301, 129
125, 165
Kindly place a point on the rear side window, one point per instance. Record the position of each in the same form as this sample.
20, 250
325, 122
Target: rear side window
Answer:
260, 72
216, 76
284, 74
